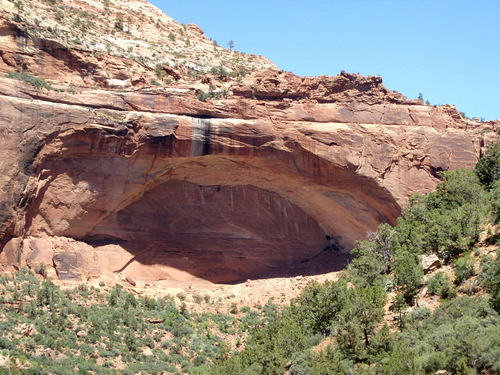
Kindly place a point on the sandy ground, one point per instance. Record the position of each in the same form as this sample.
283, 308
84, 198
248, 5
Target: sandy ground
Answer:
200, 295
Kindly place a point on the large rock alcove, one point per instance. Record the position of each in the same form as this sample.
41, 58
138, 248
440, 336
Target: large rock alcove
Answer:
195, 198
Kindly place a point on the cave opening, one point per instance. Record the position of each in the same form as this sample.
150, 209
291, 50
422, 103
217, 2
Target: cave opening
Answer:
224, 217
222, 234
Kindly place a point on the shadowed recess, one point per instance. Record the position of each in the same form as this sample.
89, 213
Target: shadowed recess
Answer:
218, 233
165, 210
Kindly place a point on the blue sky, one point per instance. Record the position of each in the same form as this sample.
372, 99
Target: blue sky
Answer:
447, 50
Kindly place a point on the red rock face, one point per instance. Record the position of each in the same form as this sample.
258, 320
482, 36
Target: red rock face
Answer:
220, 199
201, 196
218, 233
279, 173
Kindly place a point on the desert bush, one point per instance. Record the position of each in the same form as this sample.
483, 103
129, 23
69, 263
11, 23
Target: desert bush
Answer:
252, 318
181, 296
488, 167
234, 308
408, 274
440, 285
31, 79
464, 268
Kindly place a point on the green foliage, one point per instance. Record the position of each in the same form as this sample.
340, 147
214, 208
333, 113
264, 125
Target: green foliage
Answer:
464, 268
457, 188
19, 5
29, 78
360, 315
488, 167
446, 221
401, 362
400, 307
160, 73
211, 94
495, 201
269, 348
373, 258
319, 305
463, 331
251, 319
408, 274
202, 96
234, 308
328, 361
115, 327
490, 277
440, 285
222, 71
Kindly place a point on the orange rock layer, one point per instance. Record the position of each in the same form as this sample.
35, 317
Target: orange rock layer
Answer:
276, 173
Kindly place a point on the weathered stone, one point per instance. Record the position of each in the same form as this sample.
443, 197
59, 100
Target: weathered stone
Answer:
147, 351
430, 262
155, 321
279, 173
130, 281
81, 334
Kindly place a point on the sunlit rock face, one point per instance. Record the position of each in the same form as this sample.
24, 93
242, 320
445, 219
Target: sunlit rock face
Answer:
197, 196
167, 196
273, 175
218, 233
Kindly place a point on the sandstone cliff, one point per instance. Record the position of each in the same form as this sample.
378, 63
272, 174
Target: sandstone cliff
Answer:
210, 164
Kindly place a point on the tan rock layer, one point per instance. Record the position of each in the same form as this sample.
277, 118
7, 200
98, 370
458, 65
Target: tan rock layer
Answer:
273, 172
119, 181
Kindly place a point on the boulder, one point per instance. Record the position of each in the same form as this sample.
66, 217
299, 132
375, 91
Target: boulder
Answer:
430, 262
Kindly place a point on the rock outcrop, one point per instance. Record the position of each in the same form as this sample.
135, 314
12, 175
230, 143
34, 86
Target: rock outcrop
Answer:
221, 175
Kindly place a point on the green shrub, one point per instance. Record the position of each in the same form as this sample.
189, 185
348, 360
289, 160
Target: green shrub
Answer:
234, 308
319, 305
181, 296
490, 278
203, 96
464, 269
420, 313
252, 318
488, 167
446, 221
440, 285
29, 78
495, 202
408, 274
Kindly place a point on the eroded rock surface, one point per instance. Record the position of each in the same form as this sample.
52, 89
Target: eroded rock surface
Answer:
209, 175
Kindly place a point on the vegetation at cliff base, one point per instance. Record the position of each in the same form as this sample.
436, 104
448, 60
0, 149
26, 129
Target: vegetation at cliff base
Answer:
91, 330
386, 314
31, 79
